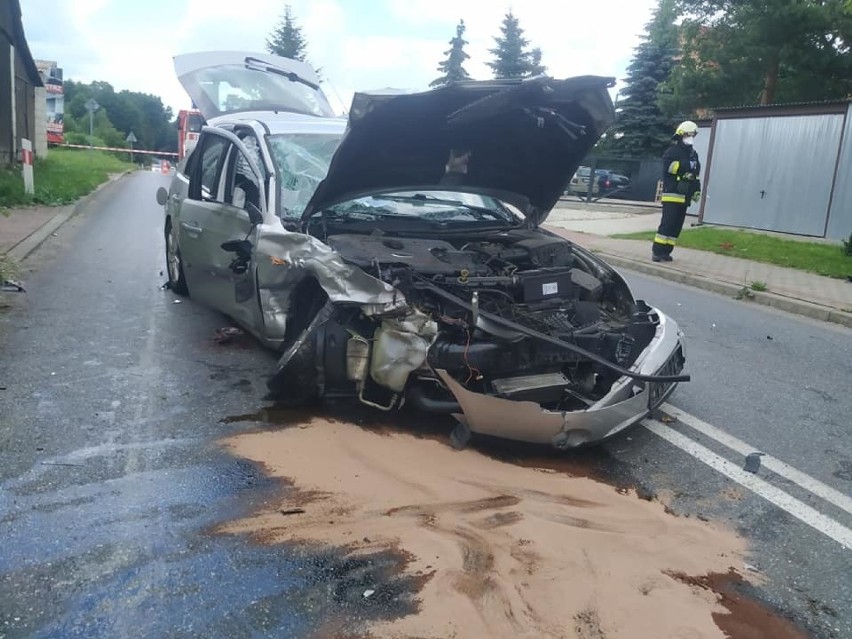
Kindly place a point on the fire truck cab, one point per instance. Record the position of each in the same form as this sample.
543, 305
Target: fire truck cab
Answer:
190, 122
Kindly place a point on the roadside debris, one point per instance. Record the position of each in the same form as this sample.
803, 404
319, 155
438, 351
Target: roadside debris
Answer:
293, 511
10, 286
745, 293
369, 593
227, 334
752, 463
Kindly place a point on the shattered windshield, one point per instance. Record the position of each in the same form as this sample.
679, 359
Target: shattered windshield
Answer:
233, 87
436, 206
302, 161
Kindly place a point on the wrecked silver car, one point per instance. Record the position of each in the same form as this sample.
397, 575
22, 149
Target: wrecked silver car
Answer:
398, 257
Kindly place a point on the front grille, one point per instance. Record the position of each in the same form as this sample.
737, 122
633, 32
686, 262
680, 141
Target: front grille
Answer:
657, 390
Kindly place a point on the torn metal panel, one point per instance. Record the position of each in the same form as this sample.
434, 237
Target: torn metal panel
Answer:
529, 422
285, 258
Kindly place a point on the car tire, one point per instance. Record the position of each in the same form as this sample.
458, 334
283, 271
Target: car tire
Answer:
174, 263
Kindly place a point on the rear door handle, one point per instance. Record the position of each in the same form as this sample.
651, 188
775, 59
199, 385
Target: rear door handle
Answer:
191, 229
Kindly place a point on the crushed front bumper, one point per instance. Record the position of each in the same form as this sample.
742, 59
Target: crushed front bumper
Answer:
627, 402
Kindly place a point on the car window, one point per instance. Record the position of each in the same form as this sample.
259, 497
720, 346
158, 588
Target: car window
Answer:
243, 186
231, 88
210, 160
301, 161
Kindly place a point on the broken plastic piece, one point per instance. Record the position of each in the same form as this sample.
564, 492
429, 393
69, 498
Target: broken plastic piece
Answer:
752, 463
8, 286
227, 334
460, 437
369, 593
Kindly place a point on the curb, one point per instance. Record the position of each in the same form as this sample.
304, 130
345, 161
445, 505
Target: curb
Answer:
23, 249
765, 298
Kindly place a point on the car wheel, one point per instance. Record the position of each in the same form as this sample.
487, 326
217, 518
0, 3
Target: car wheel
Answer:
174, 264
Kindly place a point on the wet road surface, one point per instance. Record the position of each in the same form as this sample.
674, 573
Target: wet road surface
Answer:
111, 478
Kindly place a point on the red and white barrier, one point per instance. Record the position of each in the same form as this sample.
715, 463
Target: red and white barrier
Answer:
112, 148
27, 159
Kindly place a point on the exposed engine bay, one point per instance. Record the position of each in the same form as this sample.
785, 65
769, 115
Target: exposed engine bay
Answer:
488, 303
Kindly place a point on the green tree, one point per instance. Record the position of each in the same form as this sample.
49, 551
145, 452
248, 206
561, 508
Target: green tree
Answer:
452, 68
641, 128
287, 39
536, 67
761, 51
119, 114
512, 59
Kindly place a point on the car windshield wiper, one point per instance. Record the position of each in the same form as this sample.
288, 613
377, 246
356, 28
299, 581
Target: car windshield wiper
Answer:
479, 212
365, 214
259, 65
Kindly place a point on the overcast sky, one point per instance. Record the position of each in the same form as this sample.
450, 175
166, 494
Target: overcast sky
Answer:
359, 44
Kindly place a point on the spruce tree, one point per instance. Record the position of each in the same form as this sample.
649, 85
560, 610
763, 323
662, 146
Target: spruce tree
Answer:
536, 67
287, 39
452, 68
511, 57
644, 130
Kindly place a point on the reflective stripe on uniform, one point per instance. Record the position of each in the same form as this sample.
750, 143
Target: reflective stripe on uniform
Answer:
675, 198
665, 239
674, 167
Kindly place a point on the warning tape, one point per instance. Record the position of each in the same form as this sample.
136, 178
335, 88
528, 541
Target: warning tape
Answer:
112, 148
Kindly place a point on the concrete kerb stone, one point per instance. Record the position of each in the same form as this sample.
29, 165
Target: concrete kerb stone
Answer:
25, 247
766, 298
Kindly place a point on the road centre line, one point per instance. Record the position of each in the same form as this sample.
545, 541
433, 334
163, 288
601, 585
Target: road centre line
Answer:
814, 486
789, 504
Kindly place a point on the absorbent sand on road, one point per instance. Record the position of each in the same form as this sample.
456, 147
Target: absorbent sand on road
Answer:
508, 551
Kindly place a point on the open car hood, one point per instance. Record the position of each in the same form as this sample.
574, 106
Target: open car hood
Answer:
225, 82
525, 137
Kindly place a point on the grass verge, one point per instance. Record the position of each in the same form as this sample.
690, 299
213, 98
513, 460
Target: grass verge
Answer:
815, 257
61, 178
8, 268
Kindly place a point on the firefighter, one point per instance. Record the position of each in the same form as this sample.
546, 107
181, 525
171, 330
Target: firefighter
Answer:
681, 187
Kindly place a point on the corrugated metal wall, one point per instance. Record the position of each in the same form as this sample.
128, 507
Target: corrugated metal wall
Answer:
840, 215
702, 147
773, 173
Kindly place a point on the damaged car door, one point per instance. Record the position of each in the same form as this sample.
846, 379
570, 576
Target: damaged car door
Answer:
218, 221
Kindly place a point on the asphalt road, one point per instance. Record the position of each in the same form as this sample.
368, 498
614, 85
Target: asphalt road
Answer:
113, 397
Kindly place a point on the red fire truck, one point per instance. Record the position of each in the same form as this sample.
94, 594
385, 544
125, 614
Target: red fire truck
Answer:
190, 122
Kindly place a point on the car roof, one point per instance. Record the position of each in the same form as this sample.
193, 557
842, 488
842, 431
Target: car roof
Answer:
282, 122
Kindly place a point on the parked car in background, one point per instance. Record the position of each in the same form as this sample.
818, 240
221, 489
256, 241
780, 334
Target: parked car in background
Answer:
398, 257
579, 183
606, 183
609, 181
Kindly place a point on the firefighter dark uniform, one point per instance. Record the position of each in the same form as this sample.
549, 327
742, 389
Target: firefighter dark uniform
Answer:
681, 187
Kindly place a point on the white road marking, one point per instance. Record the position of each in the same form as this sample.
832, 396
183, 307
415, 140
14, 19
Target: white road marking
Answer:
814, 486
798, 509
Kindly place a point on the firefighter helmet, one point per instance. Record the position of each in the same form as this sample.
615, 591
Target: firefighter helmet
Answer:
687, 127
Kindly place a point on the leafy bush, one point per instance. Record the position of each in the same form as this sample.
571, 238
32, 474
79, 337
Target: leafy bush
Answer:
847, 246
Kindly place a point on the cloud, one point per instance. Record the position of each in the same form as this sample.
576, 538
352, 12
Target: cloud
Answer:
358, 45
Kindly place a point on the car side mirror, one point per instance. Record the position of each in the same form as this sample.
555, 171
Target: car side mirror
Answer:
254, 213
162, 196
